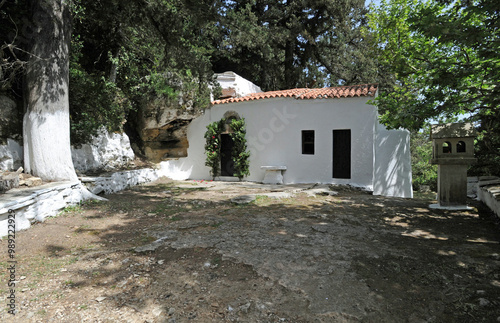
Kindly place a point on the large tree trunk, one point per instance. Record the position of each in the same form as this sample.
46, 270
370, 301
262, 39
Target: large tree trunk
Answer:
47, 151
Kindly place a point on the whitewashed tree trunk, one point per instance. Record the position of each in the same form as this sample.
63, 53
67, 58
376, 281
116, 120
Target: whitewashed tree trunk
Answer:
47, 152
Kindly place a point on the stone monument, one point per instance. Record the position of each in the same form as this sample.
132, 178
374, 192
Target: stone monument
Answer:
453, 152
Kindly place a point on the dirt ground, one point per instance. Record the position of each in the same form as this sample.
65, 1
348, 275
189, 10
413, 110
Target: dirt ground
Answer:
183, 252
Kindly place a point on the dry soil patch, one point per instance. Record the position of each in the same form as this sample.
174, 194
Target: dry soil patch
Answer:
350, 257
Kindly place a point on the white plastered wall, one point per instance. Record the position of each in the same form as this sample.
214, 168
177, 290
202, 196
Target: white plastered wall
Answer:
242, 86
392, 170
274, 138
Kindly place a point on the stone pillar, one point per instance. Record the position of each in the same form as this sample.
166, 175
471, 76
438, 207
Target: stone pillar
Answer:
453, 152
452, 185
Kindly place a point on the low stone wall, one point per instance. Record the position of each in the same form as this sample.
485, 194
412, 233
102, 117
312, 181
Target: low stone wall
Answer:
37, 203
119, 181
115, 182
489, 193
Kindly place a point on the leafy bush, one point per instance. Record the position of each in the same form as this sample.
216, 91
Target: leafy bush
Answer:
487, 146
240, 154
212, 147
94, 101
423, 172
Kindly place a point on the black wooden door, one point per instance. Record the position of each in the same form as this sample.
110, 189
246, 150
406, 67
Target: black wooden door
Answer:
341, 153
226, 161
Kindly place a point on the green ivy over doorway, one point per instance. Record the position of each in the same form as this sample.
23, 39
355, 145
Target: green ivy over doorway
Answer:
239, 154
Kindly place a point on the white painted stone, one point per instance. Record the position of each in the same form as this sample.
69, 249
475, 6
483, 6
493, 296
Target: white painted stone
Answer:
489, 193
472, 186
273, 174
107, 151
38, 203
11, 155
242, 86
451, 208
121, 180
320, 191
175, 169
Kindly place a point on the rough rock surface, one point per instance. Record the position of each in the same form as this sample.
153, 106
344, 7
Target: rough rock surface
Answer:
106, 152
162, 127
11, 155
8, 181
10, 124
35, 204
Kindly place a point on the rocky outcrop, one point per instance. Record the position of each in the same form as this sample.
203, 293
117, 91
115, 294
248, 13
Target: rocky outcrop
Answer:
11, 151
161, 125
10, 122
106, 152
11, 155
162, 129
235, 86
10, 180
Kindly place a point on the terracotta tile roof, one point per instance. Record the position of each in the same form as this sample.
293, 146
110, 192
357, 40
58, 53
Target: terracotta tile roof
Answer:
304, 93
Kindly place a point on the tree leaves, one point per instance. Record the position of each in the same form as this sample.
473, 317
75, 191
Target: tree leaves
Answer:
444, 57
299, 43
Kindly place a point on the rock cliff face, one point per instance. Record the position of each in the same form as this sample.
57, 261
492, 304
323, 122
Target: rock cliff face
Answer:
106, 152
162, 130
11, 155
10, 121
11, 151
160, 126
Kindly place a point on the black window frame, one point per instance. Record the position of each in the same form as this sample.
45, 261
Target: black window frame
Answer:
308, 144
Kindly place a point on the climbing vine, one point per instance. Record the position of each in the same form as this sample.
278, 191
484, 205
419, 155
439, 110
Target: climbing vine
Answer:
239, 154
212, 147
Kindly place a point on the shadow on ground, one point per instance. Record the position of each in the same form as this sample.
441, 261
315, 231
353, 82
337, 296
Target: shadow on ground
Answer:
182, 251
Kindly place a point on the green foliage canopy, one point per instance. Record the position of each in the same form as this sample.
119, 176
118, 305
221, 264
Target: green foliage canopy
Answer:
423, 172
127, 53
444, 57
295, 43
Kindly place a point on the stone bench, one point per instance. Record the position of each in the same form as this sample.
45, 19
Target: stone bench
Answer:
273, 174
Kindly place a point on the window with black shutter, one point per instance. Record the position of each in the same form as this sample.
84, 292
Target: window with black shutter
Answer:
308, 142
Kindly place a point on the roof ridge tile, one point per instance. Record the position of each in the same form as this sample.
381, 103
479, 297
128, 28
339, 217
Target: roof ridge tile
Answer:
345, 91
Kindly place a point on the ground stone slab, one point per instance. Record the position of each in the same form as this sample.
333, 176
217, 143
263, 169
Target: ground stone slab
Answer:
243, 199
320, 191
